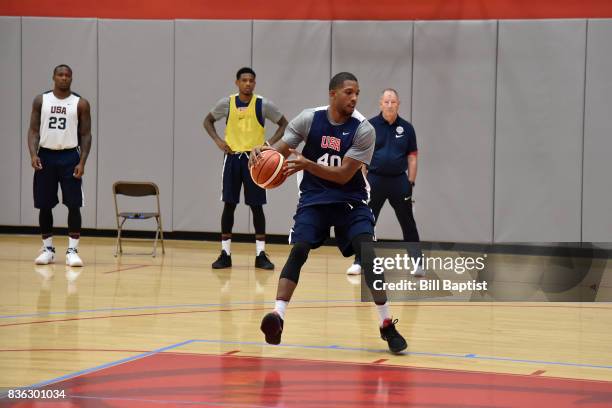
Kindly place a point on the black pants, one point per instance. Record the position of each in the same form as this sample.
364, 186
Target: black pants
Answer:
398, 191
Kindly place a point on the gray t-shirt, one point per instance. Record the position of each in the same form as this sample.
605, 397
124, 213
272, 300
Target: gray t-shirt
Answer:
268, 109
364, 141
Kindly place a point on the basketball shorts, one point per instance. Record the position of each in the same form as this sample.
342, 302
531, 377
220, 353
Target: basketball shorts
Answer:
312, 224
235, 174
57, 168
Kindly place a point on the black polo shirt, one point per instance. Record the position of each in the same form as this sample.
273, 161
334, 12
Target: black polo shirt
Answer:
393, 144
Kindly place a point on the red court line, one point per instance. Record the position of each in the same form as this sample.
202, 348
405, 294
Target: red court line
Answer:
128, 268
233, 353
266, 308
236, 381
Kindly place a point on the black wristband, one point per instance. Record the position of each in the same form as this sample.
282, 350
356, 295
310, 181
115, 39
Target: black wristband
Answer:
411, 183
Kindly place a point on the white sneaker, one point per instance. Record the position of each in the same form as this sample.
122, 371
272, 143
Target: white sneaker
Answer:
354, 269
419, 272
73, 258
47, 256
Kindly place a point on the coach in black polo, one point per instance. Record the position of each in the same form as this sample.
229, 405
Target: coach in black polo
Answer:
393, 169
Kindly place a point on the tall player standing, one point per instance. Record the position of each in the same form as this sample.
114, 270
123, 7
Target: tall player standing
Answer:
333, 192
59, 140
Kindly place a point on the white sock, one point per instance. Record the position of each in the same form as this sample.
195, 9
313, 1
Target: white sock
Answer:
73, 243
48, 242
383, 312
260, 246
279, 307
226, 245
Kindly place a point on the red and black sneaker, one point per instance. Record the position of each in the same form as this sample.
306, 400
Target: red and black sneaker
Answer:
395, 340
272, 327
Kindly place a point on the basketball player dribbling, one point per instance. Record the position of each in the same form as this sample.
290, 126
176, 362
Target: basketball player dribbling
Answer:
59, 140
333, 192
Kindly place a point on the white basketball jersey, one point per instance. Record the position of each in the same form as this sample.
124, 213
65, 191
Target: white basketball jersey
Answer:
59, 122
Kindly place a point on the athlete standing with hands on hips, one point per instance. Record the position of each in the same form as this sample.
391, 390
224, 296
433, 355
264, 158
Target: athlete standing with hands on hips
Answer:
245, 113
338, 141
59, 140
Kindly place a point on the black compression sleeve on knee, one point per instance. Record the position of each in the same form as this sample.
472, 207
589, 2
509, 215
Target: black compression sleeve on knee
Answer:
227, 218
259, 219
367, 253
45, 219
297, 258
74, 220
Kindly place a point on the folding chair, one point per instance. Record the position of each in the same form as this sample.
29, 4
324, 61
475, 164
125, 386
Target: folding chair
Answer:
137, 189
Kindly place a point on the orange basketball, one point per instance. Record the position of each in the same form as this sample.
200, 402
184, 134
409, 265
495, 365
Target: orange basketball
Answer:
268, 173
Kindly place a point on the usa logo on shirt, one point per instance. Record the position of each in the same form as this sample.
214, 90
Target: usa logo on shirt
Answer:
331, 143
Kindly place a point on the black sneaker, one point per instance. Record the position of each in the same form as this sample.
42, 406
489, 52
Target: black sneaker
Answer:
223, 261
395, 340
262, 261
272, 327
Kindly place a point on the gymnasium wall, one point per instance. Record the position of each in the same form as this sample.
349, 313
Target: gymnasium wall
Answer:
512, 116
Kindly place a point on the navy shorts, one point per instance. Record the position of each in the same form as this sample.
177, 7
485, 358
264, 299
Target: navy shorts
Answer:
57, 168
313, 223
235, 173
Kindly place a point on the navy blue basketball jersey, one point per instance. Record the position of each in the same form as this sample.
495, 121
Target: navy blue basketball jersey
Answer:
327, 144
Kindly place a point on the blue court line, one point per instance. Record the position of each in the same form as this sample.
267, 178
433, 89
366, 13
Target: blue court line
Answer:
469, 356
100, 367
119, 309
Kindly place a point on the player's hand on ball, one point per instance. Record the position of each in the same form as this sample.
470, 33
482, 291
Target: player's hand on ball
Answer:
296, 164
255, 153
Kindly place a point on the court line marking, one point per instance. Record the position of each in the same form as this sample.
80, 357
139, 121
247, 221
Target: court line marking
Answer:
154, 401
99, 367
415, 353
153, 307
357, 301
76, 374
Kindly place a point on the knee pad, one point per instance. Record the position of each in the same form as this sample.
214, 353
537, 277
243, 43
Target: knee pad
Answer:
358, 240
297, 258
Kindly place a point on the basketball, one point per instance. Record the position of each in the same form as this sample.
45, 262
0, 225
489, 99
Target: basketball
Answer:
268, 172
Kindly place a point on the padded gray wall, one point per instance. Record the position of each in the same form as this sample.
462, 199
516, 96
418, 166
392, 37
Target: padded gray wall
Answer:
205, 70
380, 55
46, 43
292, 59
10, 117
136, 110
597, 183
454, 118
538, 152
